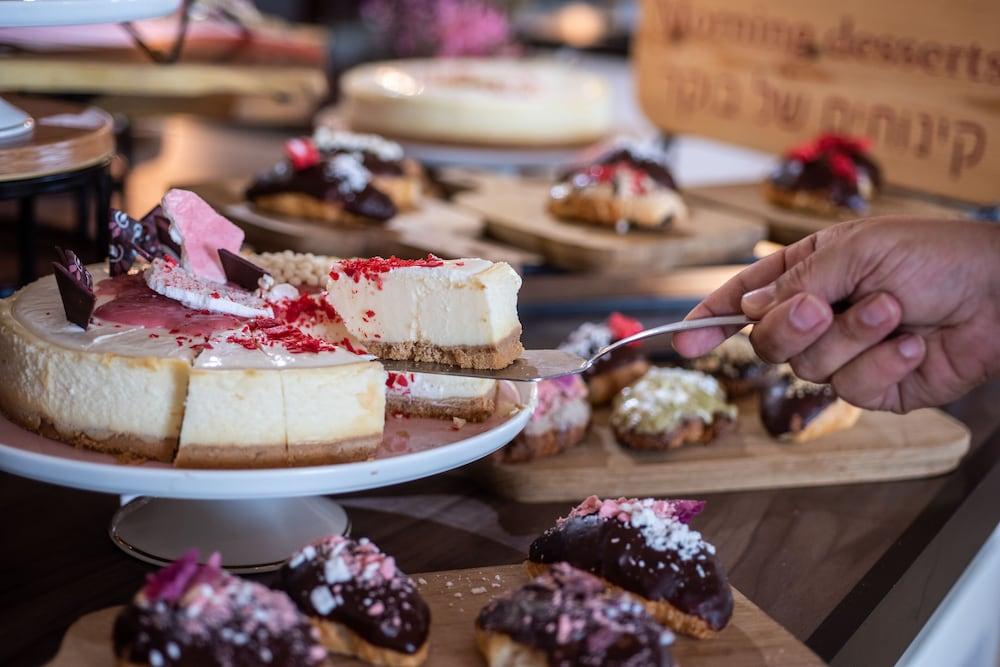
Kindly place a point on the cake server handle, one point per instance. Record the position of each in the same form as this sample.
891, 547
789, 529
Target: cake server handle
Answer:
534, 365
684, 325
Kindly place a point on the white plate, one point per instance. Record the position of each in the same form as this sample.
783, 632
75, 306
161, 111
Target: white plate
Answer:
411, 449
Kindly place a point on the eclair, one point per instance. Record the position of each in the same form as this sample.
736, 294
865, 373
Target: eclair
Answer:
645, 548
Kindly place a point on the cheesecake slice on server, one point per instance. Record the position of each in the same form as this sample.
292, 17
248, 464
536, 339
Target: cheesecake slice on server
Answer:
461, 312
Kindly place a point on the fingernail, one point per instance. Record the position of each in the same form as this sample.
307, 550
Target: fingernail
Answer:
910, 347
807, 313
877, 311
760, 298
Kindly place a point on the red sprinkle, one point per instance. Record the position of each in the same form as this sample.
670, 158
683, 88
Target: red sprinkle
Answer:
309, 308
302, 153
623, 326
372, 269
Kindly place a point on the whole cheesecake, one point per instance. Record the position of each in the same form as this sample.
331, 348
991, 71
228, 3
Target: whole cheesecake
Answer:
152, 379
496, 101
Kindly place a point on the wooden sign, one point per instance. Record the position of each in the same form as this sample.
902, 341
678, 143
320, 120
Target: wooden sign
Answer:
921, 78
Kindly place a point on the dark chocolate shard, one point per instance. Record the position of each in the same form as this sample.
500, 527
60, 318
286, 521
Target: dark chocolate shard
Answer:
161, 224
76, 288
129, 237
240, 270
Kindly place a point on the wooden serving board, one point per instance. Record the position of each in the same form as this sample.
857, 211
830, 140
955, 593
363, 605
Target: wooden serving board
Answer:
514, 210
752, 638
787, 226
881, 446
437, 227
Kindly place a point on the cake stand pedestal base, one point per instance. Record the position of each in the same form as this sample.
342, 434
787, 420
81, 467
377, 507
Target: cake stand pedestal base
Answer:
252, 535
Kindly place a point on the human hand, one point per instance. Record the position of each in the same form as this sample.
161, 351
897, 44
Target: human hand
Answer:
922, 327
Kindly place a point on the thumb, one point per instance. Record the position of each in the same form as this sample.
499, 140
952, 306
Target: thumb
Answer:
830, 273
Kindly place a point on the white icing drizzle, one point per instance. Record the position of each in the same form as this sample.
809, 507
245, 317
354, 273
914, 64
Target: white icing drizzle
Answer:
327, 139
351, 174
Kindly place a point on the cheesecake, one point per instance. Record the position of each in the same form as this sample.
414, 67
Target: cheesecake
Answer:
440, 396
461, 312
406, 394
506, 102
171, 364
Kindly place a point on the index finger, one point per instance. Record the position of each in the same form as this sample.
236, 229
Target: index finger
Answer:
726, 299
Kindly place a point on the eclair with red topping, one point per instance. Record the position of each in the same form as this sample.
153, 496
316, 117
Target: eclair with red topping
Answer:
359, 600
615, 370
567, 617
645, 548
629, 185
832, 175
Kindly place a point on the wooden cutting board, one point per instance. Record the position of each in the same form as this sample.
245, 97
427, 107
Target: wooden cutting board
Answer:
787, 226
514, 210
752, 639
437, 227
881, 446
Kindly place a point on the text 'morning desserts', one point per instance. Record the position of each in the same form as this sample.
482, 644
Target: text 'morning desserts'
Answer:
360, 601
191, 614
645, 548
796, 410
629, 185
832, 175
566, 617
671, 407
461, 312
559, 422
614, 370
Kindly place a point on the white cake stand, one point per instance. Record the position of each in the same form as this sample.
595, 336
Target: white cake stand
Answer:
256, 518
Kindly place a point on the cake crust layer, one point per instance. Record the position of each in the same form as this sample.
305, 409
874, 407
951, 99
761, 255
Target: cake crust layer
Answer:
483, 357
475, 409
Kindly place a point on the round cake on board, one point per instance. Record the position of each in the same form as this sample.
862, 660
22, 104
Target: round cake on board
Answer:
485, 102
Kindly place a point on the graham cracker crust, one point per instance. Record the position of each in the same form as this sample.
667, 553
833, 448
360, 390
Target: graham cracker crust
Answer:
348, 450
530, 447
664, 612
231, 456
483, 357
277, 456
341, 640
690, 431
128, 448
476, 409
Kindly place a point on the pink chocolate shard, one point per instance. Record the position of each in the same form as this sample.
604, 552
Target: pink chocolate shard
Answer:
202, 233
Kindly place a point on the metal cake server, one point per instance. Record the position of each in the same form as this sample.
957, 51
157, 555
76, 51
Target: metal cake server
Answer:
543, 364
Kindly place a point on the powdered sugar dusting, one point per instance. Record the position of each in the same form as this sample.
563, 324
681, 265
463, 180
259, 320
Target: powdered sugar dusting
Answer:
351, 175
327, 139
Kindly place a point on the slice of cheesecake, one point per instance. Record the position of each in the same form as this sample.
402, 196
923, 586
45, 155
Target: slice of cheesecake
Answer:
440, 396
461, 312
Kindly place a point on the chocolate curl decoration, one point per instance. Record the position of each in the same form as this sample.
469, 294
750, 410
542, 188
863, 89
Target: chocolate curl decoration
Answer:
240, 270
129, 237
76, 288
157, 221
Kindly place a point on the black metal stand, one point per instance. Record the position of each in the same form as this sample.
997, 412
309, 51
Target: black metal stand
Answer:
94, 180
